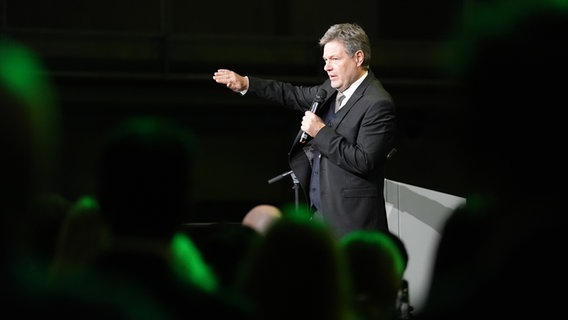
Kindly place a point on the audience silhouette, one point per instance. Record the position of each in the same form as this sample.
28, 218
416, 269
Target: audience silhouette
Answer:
376, 267
224, 246
82, 237
29, 140
28, 117
145, 188
297, 271
494, 257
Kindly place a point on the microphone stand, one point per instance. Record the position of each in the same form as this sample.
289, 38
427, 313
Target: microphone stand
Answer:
296, 185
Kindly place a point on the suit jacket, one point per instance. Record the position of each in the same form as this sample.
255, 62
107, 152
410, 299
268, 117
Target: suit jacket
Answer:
353, 150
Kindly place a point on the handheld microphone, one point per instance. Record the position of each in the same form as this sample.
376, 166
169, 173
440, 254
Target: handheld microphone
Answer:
320, 96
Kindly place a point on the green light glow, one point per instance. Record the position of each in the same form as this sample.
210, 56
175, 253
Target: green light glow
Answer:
302, 212
23, 73
189, 263
86, 203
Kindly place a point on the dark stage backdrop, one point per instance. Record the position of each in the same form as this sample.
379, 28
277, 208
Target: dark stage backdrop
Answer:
113, 59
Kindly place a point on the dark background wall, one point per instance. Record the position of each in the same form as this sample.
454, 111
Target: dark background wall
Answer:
112, 59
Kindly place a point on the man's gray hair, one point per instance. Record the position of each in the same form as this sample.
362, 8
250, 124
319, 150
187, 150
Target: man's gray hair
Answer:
353, 37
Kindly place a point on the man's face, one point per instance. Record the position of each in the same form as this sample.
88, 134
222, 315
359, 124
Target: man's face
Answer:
341, 68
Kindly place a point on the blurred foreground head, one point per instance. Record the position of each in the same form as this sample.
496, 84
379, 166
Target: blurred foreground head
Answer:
297, 271
29, 120
512, 54
511, 57
145, 177
376, 262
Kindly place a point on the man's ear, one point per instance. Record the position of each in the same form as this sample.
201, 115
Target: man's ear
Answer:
360, 56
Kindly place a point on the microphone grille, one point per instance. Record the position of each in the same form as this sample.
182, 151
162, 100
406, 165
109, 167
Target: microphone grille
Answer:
320, 96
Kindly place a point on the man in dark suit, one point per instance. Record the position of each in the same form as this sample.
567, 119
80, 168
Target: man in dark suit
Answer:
340, 166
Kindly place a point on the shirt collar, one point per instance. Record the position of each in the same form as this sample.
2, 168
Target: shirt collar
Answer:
349, 92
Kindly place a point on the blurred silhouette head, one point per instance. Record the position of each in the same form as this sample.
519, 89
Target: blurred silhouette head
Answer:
509, 57
223, 247
512, 54
145, 177
376, 266
297, 272
29, 120
82, 236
